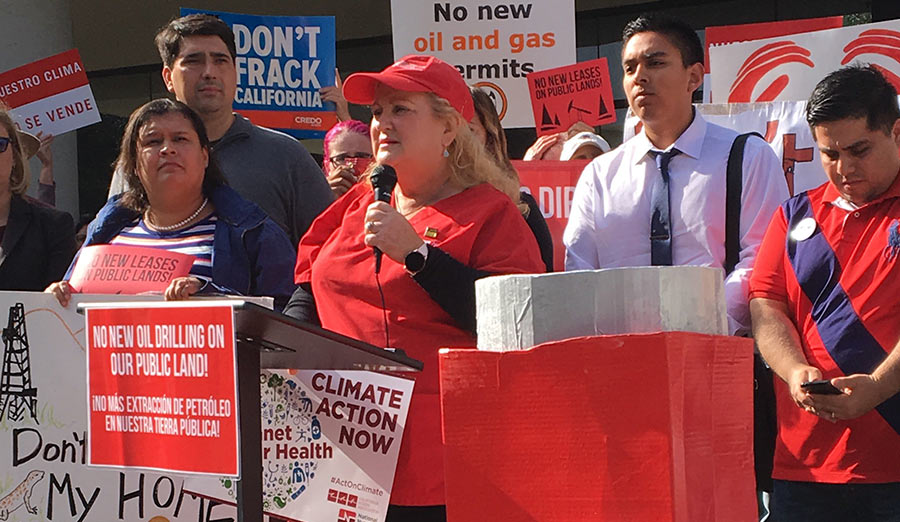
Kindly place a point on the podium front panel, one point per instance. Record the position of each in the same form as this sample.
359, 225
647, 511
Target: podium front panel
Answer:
286, 343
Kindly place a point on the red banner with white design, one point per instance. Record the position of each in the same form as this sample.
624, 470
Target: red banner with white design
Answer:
789, 67
50, 95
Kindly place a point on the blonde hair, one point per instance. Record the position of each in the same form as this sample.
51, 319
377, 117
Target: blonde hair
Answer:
470, 163
18, 178
495, 141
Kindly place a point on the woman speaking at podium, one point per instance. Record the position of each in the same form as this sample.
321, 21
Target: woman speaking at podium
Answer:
449, 221
177, 200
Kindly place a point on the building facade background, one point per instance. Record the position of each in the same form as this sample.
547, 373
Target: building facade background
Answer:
115, 39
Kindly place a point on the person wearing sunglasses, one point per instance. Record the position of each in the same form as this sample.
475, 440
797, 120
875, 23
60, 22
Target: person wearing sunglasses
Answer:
37, 242
348, 152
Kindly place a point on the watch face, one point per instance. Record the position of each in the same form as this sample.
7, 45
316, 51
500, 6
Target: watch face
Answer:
414, 261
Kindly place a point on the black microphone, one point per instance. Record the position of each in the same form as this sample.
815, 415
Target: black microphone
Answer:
383, 179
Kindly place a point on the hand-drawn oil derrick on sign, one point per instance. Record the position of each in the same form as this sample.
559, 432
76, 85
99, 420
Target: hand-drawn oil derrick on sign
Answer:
16, 391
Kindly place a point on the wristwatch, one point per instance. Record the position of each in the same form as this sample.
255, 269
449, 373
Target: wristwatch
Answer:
415, 260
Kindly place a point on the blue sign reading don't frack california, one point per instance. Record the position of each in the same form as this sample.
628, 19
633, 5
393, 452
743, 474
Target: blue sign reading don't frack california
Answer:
281, 63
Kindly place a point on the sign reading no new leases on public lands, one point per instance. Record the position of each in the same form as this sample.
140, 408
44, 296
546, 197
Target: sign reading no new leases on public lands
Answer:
565, 95
119, 269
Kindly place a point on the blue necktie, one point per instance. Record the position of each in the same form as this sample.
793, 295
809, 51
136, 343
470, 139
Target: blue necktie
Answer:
661, 218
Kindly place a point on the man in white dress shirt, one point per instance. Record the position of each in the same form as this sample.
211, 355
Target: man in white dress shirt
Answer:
610, 220
675, 167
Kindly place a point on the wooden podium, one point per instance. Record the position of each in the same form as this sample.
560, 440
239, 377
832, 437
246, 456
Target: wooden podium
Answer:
270, 340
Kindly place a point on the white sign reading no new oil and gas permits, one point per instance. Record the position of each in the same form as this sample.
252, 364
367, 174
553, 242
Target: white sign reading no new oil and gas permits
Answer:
494, 45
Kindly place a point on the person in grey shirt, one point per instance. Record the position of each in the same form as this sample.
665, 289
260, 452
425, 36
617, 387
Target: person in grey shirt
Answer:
265, 166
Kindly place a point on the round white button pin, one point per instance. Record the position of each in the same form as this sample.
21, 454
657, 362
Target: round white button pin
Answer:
804, 229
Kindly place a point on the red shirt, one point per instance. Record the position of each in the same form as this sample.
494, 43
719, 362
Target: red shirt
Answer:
841, 285
479, 227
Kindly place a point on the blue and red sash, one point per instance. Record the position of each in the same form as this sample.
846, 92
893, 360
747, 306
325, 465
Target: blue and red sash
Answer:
843, 333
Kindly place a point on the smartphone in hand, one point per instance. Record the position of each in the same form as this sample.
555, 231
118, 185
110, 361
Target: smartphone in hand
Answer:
821, 387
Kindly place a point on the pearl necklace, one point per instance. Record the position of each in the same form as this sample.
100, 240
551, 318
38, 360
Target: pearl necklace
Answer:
180, 223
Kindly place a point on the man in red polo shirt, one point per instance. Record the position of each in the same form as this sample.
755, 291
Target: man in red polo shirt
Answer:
825, 304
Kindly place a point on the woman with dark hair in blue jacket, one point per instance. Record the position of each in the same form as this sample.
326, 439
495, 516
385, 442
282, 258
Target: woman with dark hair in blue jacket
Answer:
178, 201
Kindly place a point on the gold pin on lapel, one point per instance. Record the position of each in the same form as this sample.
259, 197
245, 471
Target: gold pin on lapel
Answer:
431, 233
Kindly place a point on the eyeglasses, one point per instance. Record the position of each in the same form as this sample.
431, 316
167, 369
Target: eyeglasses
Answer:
340, 159
4, 144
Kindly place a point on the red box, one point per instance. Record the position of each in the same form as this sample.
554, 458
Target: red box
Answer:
643, 427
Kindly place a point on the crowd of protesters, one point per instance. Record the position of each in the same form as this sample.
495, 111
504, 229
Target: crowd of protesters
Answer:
816, 284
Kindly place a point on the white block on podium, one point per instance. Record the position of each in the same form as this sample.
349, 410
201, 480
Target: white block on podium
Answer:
515, 312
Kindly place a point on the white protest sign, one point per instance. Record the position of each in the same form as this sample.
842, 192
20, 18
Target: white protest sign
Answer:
330, 444
493, 44
43, 442
50, 95
789, 67
783, 124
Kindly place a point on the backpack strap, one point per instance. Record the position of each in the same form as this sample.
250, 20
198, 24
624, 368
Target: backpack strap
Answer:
733, 187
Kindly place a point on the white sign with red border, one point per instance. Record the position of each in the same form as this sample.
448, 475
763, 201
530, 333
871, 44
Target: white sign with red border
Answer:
719, 35
44, 442
51, 95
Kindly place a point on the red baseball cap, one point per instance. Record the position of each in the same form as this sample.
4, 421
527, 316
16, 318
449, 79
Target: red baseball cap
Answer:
414, 73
